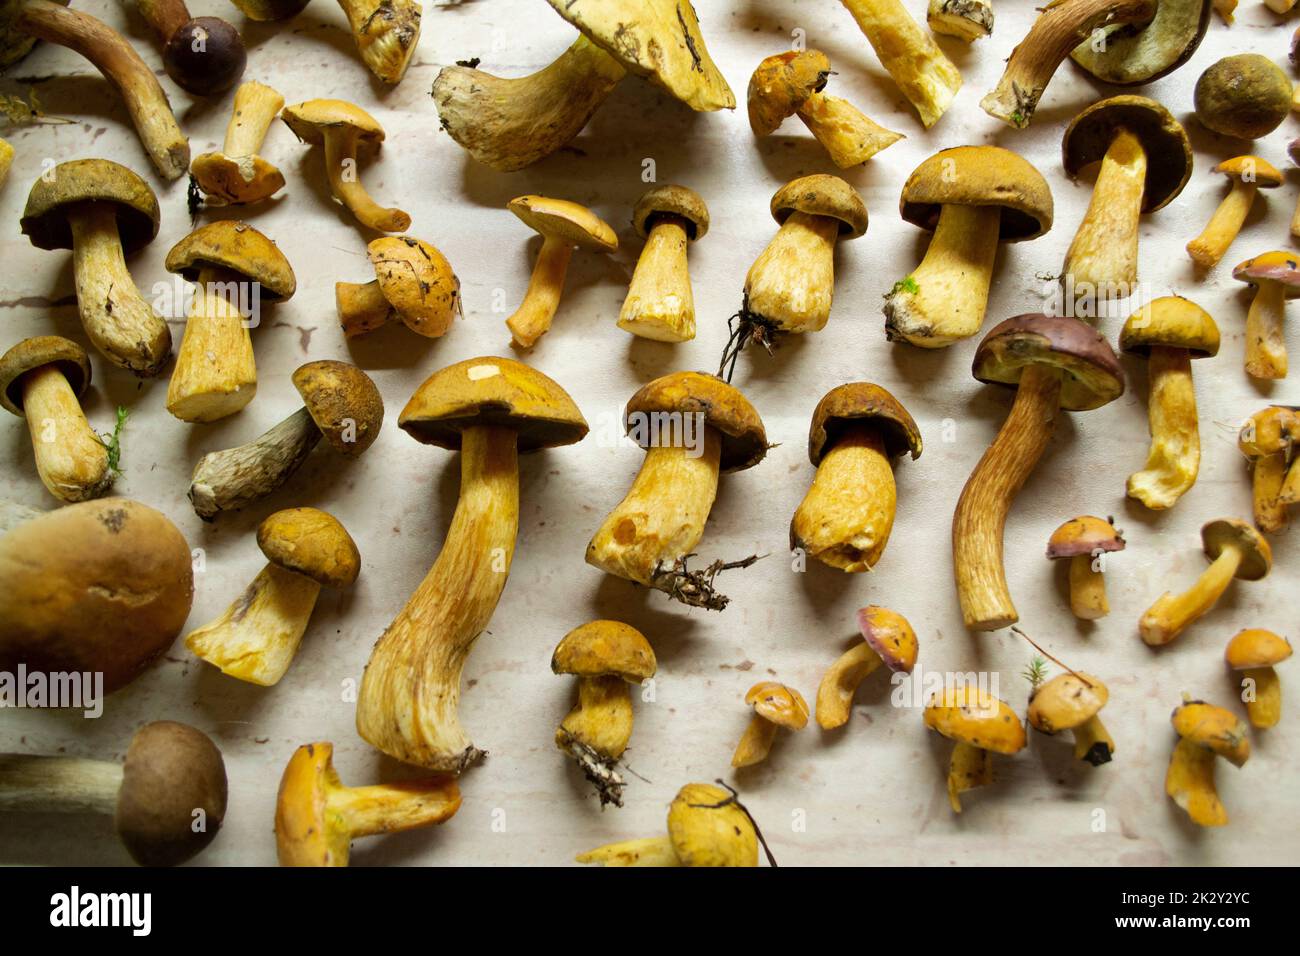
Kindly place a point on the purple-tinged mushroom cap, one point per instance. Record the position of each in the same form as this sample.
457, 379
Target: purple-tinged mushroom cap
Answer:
890, 636
1277, 266
1084, 535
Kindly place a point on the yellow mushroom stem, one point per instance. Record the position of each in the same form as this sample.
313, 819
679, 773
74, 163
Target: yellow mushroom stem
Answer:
1087, 589
533, 318
597, 730
1264, 705
361, 306
215, 373
1190, 782
345, 184
945, 298
982, 509
1295, 216
849, 135
1265, 345
257, 637
840, 683
70, 458
792, 282
255, 108
1103, 256
1208, 248
1268, 473
1093, 742
755, 743
385, 32
6, 160
1290, 493
117, 319
648, 851
925, 75
410, 694
968, 767
659, 303
1171, 614
1175, 455
845, 518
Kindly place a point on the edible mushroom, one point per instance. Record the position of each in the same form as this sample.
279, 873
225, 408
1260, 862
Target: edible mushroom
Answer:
968, 20
1276, 278
1244, 96
775, 706
980, 724
1253, 652
888, 639
707, 826
413, 284
1204, 732
1071, 702
202, 55
238, 175
1268, 439
1084, 541
1248, 175
659, 303
1134, 53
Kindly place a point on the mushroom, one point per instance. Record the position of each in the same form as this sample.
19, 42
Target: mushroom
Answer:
1059, 29
845, 518
491, 410
6, 160
340, 402
707, 826
317, 818
1253, 652
925, 76
238, 175
233, 268
1235, 550
790, 84
264, 11
1268, 440
1245, 96
605, 656
1127, 55
386, 33
1280, 6
256, 639
968, 20
1204, 732
1146, 160
887, 638
1276, 278
693, 427
413, 284
963, 195
1248, 175
1292, 151
981, 725
1169, 332
42, 380
1071, 702
775, 705
1225, 9
562, 226
1084, 540
111, 54
659, 303
344, 130
1054, 362
202, 55
103, 212
167, 798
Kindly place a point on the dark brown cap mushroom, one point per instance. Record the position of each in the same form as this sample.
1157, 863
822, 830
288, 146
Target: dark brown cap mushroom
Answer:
202, 55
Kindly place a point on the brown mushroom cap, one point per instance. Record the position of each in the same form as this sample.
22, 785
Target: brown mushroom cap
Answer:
1257, 556
822, 195
1173, 322
1270, 431
493, 392
1084, 535
171, 770
565, 220
37, 352
1256, 647
782, 705
862, 402
1277, 266
708, 828
1168, 151
890, 635
1215, 728
312, 543
966, 713
980, 176
418, 282
45, 219
237, 247
344, 403
1092, 375
670, 200
309, 120
744, 440
1066, 701
781, 84
1251, 169
605, 649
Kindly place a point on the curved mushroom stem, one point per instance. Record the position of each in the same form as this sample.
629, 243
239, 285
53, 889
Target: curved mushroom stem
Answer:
845, 518
596, 732
345, 184
756, 742
948, 293
659, 303
533, 318
1190, 782
411, 690
361, 306
840, 683
117, 60
1209, 247
229, 479
1170, 615
968, 767
31, 783
982, 509
1175, 456
849, 135
215, 373
1265, 345
1093, 743
117, 319
792, 282
967, 20
70, 458
1087, 589
1265, 708
1102, 258
255, 109
648, 851
386, 32
1268, 474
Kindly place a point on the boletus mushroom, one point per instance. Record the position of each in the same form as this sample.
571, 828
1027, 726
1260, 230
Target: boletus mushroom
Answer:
968, 20
1083, 541
1071, 702
660, 304
707, 826
775, 706
491, 410
888, 639
1269, 440
202, 55
1204, 733
413, 284
1244, 96
1252, 653
1276, 278
386, 33
1247, 175
1134, 53
238, 175
980, 725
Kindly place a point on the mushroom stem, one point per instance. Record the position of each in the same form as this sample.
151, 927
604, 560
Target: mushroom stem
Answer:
1171, 615
659, 303
345, 184
849, 135
255, 109
596, 732
1295, 218
165, 16
418, 660
1102, 258
46, 784
361, 306
1093, 743
1209, 247
792, 282
229, 479
1265, 708
647, 851
533, 318
70, 458
386, 32
756, 743
215, 373
968, 767
845, 518
1265, 345
1190, 782
1268, 475
389, 807
1087, 589
835, 693
982, 509
1175, 456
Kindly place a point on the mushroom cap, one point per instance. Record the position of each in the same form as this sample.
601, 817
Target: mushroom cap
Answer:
671, 200
1092, 375
1256, 647
235, 246
782, 705
45, 218
781, 84
708, 828
967, 713
1251, 169
103, 585
494, 392
1223, 533
312, 543
980, 176
862, 402
344, 403
170, 771
1173, 322
37, 352
1139, 53
890, 635
14, 44
1277, 266
311, 119
744, 439
605, 649
1168, 151
205, 56
565, 220
1244, 96
1270, 431
236, 182
1066, 701
1085, 534
822, 195
1215, 728
418, 282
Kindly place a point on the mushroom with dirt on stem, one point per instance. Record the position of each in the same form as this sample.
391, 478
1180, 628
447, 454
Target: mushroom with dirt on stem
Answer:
968, 20
237, 175
980, 725
1085, 541
1071, 702
1204, 733
202, 55
1252, 653
660, 304
413, 285
775, 706
1248, 175
1276, 278
386, 33
1135, 53
888, 639
1268, 439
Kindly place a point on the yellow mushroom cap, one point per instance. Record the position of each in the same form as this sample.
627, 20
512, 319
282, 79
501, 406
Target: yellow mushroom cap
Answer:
565, 220
1251, 169
1215, 728
417, 281
782, 705
312, 543
822, 195
605, 649
1256, 647
724, 407
708, 828
249, 179
45, 218
237, 247
781, 84
1278, 266
980, 176
1168, 150
1066, 701
343, 401
37, 352
1173, 322
310, 120
671, 200
862, 402
977, 718
1223, 533
890, 635
1270, 431
1084, 535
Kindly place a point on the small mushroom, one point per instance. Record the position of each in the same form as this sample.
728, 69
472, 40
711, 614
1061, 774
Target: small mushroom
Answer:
256, 639
1235, 550
344, 130
963, 195
1083, 541
202, 55
238, 175
1204, 732
167, 798
1269, 439
845, 518
1071, 702
968, 20
386, 33
887, 638
1248, 175
413, 284
1245, 96
1127, 55
234, 268
981, 725
1169, 332
340, 402
775, 706
562, 226
1253, 652
605, 656
659, 303
317, 818
1276, 278
103, 212
707, 826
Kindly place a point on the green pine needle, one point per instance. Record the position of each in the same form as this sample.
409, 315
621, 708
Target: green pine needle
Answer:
907, 285
1035, 672
113, 442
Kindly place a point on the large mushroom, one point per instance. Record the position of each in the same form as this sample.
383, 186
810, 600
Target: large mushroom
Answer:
1134, 53
1252, 653
237, 175
1247, 175
1269, 440
1276, 278
413, 284
1071, 702
491, 410
1204, 733
1084, 541
981, 725
888, 639
659, 303
202, 55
